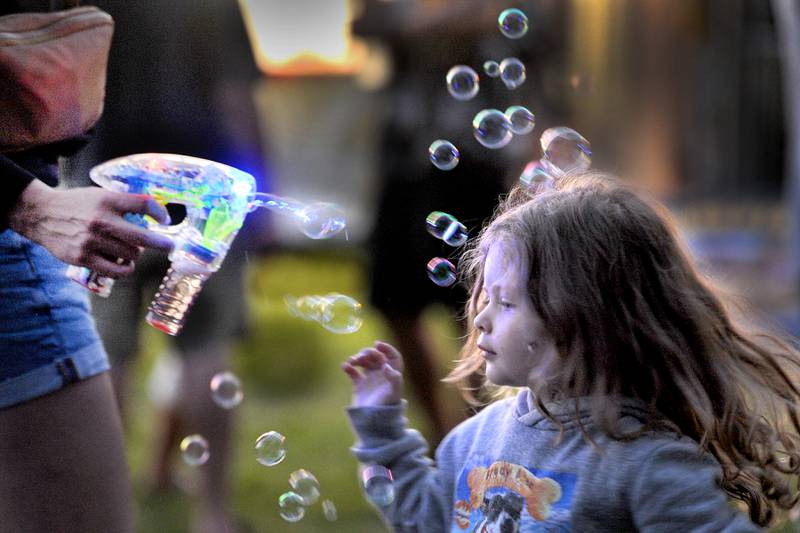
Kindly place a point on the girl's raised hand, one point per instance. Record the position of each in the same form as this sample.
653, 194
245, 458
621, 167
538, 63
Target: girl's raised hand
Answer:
377, 375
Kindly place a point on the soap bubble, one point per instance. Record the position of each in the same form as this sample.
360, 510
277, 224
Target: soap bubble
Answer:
341, 314
513, 23
291, 505
226, 390
329, 510
321, 220
462, 82
491, 128
378, 484
335, 312
194, 450
566, 150
305, 485
443, 154
441, 271
512, 72
491, 68
538, 174
521, 119
447, 228
270, 448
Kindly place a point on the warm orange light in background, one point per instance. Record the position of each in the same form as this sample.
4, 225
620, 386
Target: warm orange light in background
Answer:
303, 37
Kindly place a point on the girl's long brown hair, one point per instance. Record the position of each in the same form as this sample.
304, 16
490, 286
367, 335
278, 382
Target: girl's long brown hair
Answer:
633, 318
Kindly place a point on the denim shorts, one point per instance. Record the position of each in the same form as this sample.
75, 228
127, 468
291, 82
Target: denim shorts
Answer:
47, 335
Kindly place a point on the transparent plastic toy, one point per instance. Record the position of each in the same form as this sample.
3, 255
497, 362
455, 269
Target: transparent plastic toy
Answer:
217, 198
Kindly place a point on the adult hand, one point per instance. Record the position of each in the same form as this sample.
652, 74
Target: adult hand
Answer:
84, 226
376, 374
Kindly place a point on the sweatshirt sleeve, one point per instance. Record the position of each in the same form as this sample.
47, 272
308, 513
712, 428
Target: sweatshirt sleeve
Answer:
422, 492
13, 180
676, 490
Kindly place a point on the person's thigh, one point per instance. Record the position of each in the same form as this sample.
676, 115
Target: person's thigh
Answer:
63, 462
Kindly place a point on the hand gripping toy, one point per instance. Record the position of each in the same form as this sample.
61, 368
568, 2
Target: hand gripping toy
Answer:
217, 198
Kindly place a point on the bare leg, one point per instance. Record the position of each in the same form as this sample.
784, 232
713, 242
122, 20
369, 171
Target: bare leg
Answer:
63, 463
197, 413
421, 369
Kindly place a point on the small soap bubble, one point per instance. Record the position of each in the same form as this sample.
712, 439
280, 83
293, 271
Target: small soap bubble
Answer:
329, 510
441, 271
521, 119
270, 448
305, 485
194, 450
491, 128
538, 175
447, 228
566, 150
443, 154
321, 220
335, 312
341, 314
226, 390
512, 72
462, 82
378, 484
491, 68
291, 506
513, 23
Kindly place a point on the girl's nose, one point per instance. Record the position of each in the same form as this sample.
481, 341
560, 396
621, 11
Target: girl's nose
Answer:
481, 322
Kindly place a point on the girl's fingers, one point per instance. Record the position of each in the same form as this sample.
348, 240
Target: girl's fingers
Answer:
368, 358
352, 372
391, 353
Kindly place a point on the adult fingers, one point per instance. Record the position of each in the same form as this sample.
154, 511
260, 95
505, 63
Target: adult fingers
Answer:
110, 247
140, 204
124, 231
110, 268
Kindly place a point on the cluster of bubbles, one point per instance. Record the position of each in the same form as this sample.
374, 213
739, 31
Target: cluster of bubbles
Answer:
452, 232
305, 492
333, 311
270, 448
378, 484
226, 392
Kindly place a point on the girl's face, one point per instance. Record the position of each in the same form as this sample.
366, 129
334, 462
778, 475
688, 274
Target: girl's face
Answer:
517, 349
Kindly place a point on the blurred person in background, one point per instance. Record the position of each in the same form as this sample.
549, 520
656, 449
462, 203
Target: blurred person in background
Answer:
180, 80
425, 38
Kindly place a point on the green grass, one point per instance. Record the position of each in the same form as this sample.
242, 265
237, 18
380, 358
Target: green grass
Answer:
293, 384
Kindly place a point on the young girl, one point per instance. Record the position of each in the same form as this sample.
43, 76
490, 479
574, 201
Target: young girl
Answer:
642, 407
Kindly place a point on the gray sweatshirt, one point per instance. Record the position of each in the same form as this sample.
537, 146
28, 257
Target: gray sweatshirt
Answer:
503, 471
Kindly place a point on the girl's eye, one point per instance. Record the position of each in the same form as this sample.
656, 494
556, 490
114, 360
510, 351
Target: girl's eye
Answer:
506, 304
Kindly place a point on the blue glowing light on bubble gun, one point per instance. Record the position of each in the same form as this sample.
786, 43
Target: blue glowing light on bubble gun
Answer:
217, 198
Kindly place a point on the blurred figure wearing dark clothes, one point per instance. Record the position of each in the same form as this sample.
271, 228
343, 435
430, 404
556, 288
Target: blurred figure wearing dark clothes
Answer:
426, 38
180, 79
